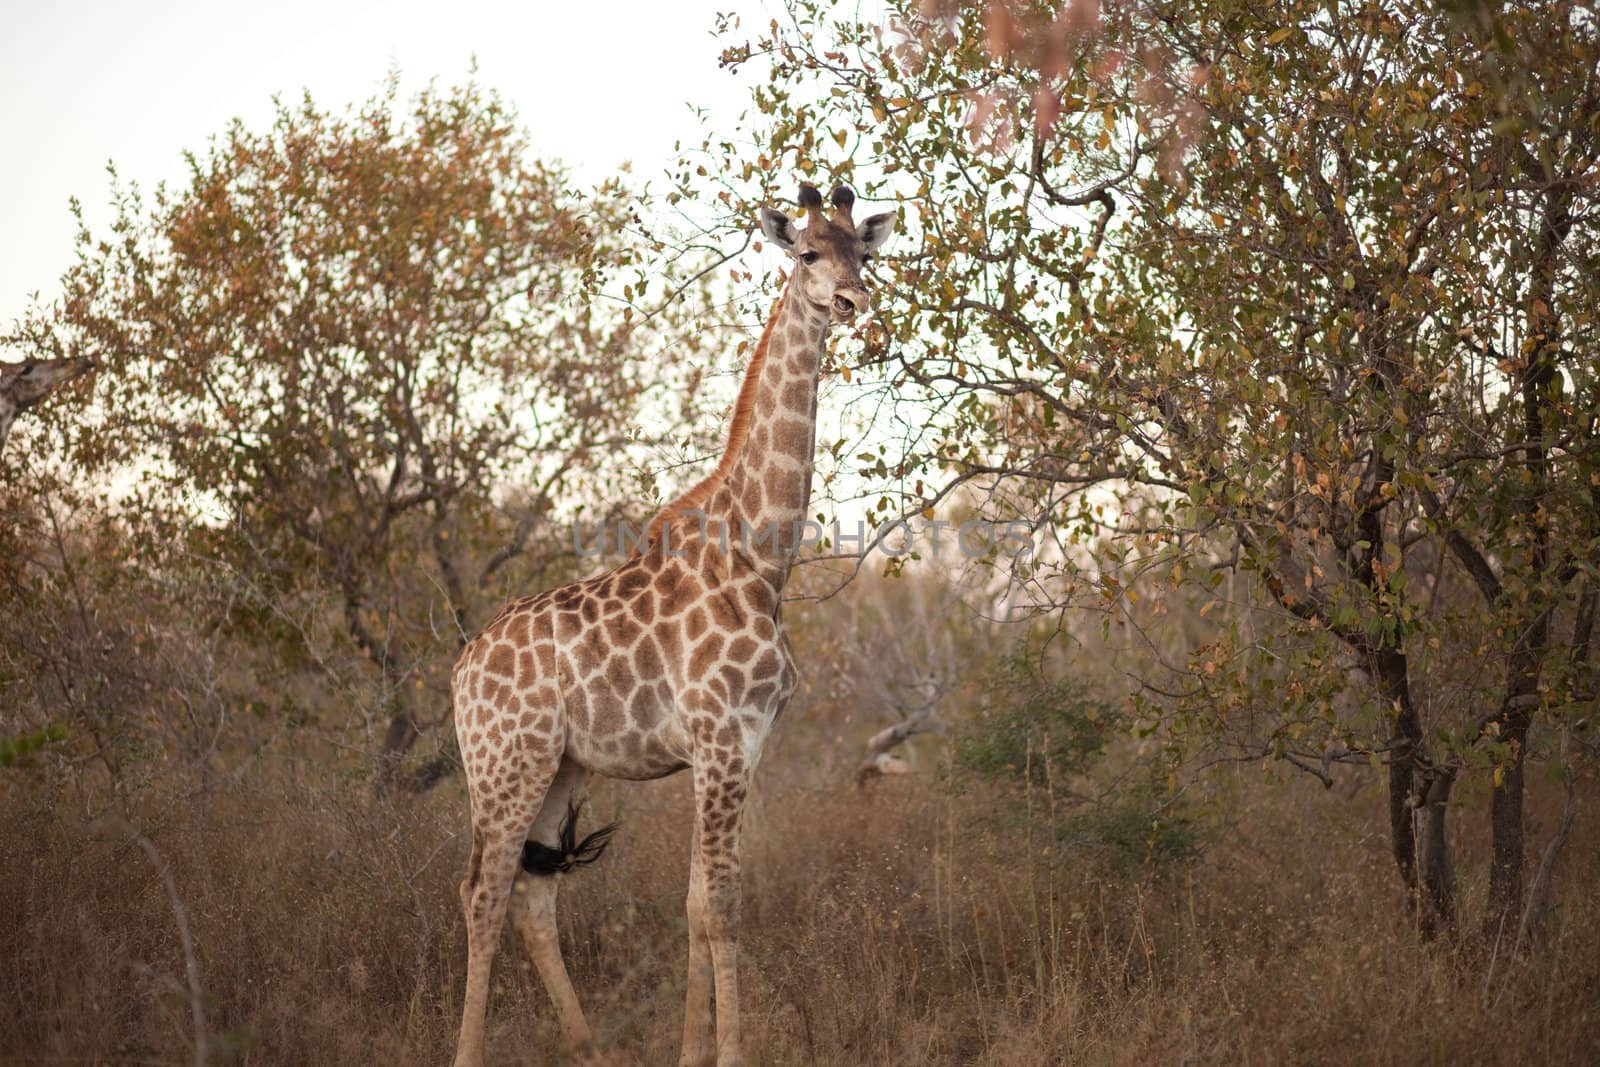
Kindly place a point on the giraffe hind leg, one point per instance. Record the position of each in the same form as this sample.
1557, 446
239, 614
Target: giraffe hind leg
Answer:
505, 809
533, 911
485, 894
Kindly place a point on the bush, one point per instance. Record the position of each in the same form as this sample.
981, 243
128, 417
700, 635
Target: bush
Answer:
1052, 745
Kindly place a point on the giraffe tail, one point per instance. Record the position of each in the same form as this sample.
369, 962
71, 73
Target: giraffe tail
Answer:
569, 852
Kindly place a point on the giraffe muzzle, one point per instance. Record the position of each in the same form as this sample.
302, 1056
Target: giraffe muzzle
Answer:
847, 305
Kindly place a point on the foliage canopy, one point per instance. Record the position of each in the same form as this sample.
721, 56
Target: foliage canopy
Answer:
1289, 313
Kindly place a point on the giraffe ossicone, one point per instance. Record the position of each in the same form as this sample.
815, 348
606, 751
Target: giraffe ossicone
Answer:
673, 660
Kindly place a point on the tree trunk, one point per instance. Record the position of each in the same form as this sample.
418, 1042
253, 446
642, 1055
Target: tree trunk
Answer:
1505, 821
1528, 655
435, 768
402, 731
1402, 840
400, 736
1436, 875
1419, 794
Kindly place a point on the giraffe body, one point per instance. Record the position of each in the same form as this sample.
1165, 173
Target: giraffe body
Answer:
601, 680
674, 660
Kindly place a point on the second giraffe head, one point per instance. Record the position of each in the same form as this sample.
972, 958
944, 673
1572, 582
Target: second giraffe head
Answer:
830, 252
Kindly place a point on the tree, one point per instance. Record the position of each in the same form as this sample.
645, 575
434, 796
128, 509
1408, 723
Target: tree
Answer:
359, 358
1305, 298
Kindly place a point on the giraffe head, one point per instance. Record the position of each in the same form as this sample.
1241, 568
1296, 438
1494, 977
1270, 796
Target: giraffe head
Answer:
24, 384
830, 252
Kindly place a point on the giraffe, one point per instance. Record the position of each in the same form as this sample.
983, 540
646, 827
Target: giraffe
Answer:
674, 660
24, 384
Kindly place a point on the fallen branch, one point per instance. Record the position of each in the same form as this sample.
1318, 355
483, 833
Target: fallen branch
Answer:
880, 756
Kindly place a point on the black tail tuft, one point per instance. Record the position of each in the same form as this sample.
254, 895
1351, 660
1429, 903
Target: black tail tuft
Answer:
540, 858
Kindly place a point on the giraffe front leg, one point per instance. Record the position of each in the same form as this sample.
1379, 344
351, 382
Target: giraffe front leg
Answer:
720, 792
699, 1033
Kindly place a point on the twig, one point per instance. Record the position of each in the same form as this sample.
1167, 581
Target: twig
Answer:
180, 914
1530, 927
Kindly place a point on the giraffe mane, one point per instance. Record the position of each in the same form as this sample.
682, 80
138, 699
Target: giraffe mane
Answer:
738, 431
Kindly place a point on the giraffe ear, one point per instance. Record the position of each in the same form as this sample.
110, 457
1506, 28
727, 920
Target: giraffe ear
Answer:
876, 230
779, 229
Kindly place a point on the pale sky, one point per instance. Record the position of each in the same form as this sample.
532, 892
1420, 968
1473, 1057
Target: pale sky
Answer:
84, 83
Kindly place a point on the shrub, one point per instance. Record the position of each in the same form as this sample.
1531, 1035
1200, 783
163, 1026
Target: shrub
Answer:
1054, 746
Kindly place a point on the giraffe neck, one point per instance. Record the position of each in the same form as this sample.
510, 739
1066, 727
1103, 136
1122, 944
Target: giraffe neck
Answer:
8, 415
763, 481
771, 455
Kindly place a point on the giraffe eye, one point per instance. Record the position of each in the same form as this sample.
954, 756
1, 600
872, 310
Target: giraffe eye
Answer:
808, 258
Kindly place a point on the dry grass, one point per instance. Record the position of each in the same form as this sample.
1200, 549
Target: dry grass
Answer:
890, 925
